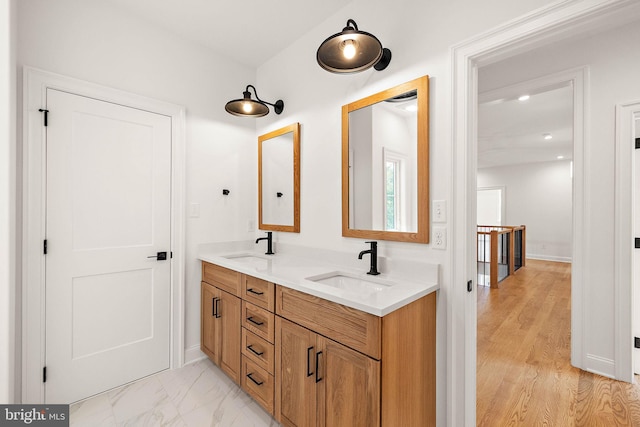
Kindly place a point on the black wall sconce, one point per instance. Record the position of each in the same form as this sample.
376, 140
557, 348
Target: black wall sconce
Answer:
225, 192
247, 107
279, 194
352, 51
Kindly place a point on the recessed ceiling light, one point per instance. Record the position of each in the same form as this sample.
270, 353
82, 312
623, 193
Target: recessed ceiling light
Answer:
560, 157
547, 136
523, 97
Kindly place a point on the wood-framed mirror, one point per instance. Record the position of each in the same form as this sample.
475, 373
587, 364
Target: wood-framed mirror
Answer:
385, 164
279, 179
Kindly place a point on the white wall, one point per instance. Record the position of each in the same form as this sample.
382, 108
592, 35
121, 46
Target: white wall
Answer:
539, 196
614, 67
97, 42
419, 34
7, 198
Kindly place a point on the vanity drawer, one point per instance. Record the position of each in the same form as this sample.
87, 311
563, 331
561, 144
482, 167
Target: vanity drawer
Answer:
259, 321
223, 278
258, 383
258, 292
258, 350
354, 328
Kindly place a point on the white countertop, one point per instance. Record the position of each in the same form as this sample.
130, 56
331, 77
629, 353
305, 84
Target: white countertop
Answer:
399, 284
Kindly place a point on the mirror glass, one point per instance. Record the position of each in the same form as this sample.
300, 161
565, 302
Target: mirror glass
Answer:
385, 164
279, 179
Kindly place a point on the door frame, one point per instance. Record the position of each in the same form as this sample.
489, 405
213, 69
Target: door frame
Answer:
535, 29
626, 116
35, 85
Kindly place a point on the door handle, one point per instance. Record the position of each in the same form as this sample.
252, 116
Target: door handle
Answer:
160, 256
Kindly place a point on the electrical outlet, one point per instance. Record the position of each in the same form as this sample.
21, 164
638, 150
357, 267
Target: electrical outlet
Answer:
439, 211
251, 225
439, 238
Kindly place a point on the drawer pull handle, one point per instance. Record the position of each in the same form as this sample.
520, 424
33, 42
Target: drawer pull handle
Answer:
255, 292
318, 379
309, 351
257, 353
250, 319
252, 379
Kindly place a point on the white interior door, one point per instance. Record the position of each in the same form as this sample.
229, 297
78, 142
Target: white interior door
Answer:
108, 210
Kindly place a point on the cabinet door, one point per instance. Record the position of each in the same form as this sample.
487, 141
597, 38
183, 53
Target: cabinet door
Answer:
209, 338
348, 386
228, 311
295, 374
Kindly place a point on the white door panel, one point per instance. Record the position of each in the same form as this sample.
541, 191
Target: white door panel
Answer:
108, 210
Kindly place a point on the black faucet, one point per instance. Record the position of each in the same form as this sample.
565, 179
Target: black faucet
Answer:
374, 258
269, 243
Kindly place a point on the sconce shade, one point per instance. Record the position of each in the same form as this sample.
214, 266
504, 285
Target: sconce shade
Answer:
352, 51
248, 107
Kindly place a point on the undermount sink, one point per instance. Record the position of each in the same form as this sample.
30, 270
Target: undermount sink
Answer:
352, 283
254, 260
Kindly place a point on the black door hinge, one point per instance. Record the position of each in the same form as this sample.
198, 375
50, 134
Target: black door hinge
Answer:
636, 342
637, 242
44, 374
46, 116
470, 286
44, 248
637, 143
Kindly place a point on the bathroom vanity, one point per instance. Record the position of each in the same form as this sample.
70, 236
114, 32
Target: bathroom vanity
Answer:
316, 344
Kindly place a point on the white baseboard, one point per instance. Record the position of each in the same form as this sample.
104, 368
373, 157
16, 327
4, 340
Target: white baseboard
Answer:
550, 258
193, 354
601, 366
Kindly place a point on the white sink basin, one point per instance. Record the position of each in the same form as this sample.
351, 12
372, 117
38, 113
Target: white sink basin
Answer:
255, 261
352, 283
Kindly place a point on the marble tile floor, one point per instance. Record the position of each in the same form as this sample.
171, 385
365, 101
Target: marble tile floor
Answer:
196, 395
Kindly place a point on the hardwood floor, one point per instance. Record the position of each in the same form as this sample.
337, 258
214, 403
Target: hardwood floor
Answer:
524, 375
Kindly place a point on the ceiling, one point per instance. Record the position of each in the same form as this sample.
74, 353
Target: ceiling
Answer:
511, 131
248, 31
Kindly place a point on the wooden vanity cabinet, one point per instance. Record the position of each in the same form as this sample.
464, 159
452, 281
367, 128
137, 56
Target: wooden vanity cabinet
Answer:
237, 329
220, 329
258, 336
340, 367
221, 308
323, 383
312, 362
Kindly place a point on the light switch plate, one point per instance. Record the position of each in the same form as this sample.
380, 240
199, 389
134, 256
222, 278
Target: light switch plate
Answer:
194, 210
439, 211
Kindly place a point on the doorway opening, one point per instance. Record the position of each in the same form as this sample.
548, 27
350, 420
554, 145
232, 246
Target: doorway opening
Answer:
543, 27
524, 172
